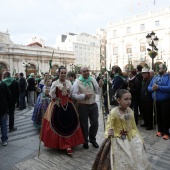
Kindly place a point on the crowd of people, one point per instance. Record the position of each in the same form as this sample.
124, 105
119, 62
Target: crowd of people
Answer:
65, 105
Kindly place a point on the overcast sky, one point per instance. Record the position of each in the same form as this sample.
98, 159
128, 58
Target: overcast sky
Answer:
46, 19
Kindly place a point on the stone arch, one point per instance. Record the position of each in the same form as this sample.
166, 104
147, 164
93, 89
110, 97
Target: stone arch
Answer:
31, 69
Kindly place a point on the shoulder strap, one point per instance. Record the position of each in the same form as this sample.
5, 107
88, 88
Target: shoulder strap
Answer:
93, 85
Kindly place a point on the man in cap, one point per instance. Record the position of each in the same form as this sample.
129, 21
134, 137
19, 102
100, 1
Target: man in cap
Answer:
84, 90
160, 89
146, 101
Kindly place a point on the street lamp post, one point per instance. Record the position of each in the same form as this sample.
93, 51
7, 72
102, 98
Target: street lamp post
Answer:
26, 65
152, 40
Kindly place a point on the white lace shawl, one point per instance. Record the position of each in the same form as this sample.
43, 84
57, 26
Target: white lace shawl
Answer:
60, 86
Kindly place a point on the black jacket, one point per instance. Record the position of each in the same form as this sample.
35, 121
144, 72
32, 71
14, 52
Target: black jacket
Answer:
135, 88
14, 89
31, 84
5, 98
22, 85
145, 94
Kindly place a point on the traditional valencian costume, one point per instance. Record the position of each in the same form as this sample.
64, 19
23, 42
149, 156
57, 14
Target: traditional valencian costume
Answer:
61, 128
40, 107
127, 152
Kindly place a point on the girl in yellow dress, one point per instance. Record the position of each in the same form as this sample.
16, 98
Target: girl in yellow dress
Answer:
127, 151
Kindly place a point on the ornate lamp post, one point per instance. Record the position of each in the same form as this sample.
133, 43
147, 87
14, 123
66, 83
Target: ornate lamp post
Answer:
26, 65
152, 40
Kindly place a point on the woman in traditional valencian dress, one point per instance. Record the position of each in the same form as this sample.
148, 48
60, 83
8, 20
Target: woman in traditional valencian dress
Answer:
126, 151
61, 127
41, 104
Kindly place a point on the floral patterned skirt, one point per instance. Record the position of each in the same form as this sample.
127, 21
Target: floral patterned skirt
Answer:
129, 155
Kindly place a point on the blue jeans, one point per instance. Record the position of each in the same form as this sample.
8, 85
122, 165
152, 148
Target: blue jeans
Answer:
22, 99
3, 125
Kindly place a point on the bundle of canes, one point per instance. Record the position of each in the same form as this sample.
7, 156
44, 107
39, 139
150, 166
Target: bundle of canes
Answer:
102, 107
111, 138
155, 111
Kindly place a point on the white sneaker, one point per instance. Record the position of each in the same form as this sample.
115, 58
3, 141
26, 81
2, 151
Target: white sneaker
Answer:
4, 143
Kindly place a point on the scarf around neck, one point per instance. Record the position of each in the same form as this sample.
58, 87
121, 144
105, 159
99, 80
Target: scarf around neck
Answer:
8, 80
117, 74
86, 81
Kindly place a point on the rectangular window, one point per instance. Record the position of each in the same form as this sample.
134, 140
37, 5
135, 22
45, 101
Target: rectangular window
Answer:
142, 27
157, 23
115, 50
128, 30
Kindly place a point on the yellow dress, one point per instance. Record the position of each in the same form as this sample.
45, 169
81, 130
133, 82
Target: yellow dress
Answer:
128, 149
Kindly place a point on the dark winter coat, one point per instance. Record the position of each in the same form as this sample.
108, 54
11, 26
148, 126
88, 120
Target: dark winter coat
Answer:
31, 84
5, 98
135, 88
22, 85
14, 89
146, 95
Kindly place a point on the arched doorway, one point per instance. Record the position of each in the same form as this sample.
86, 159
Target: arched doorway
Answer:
54, 68
31, 69
3, 67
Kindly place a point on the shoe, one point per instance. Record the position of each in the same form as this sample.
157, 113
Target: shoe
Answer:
13, 129
85, 146
69, 151
149, 128
143, 125
95, 144
4, 143
159, 134
166, 137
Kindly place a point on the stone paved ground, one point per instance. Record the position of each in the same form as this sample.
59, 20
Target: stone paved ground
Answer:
21, 153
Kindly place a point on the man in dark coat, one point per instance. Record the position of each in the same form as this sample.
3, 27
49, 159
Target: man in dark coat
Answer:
14, 89
140, 79
22, 91
5, 98
146, 101
31, 89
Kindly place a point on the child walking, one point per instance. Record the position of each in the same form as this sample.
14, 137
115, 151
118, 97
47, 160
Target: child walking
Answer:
41, 105
127, 151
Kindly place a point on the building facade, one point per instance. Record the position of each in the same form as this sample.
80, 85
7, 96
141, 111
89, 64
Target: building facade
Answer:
86, 48
33, 58
126, 39
101, 35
